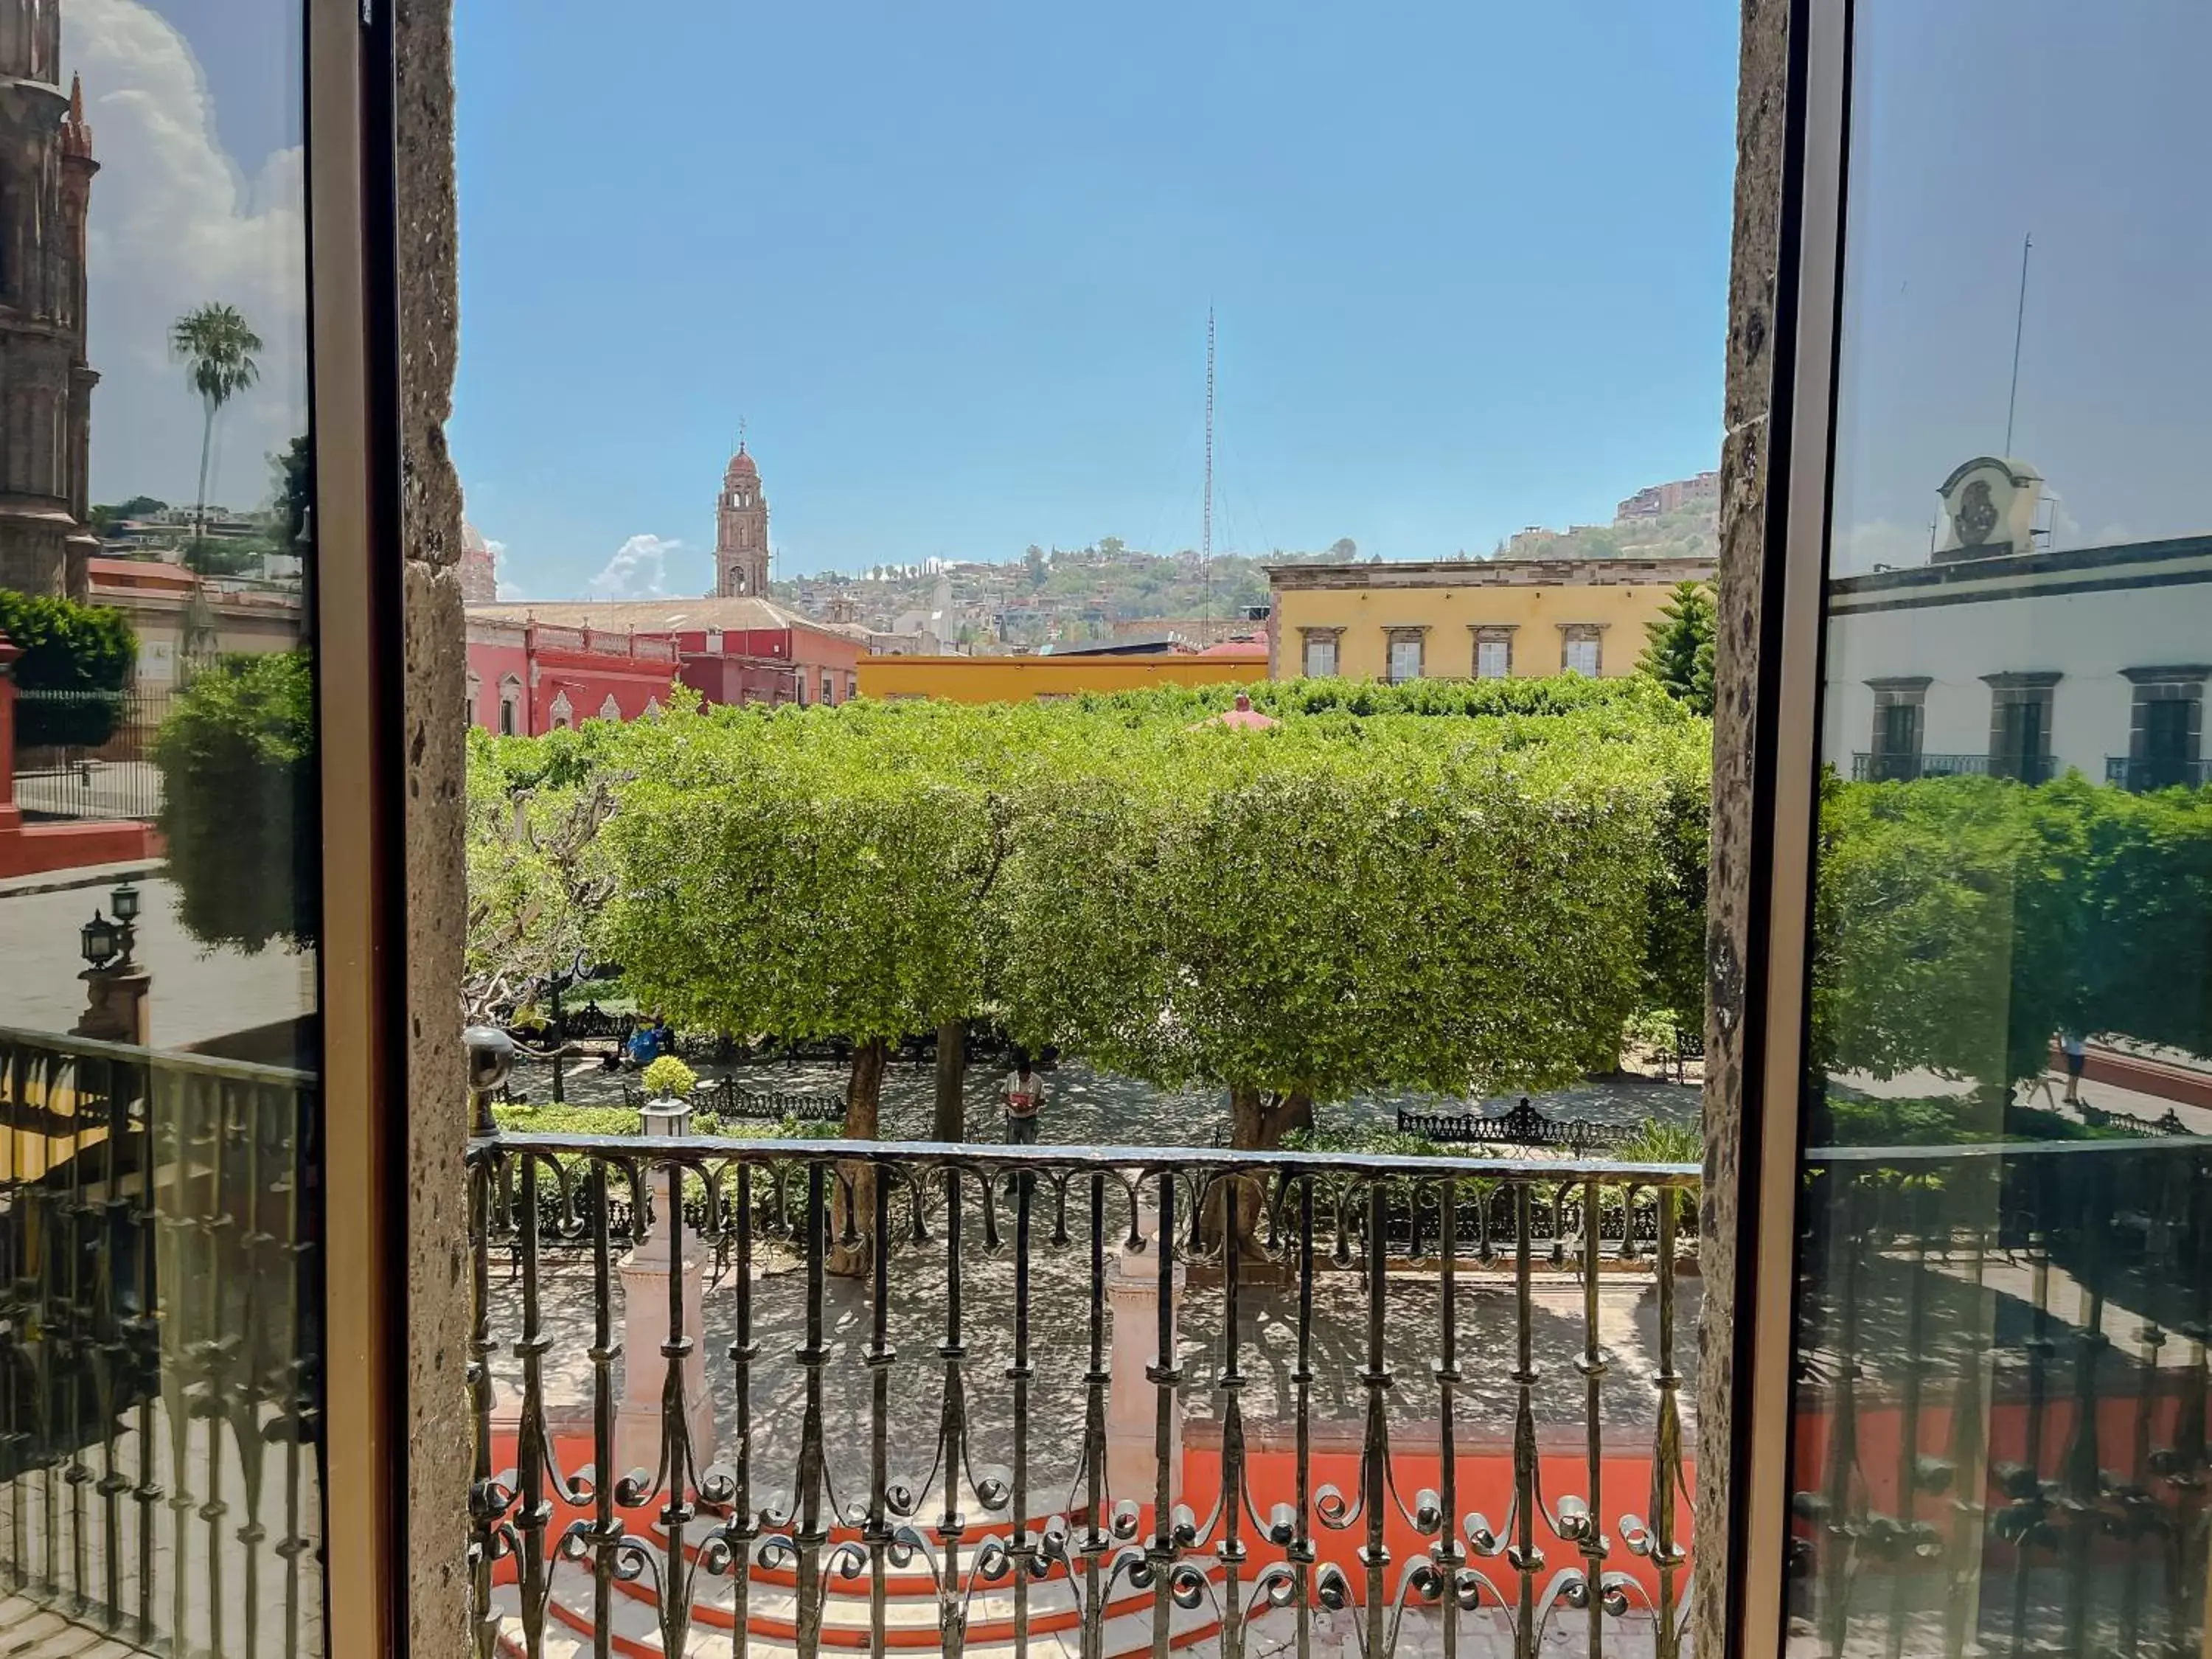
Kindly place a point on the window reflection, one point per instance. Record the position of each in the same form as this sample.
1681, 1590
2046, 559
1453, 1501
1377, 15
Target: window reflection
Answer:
159, 852
2006, 1217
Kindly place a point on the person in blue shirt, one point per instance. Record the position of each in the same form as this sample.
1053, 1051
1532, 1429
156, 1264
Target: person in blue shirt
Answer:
644, 1046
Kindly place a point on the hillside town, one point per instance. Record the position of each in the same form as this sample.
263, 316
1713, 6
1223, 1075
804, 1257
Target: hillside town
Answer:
1060, 621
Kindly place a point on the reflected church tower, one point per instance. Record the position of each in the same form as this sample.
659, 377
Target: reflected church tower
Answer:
46, 385
741, 531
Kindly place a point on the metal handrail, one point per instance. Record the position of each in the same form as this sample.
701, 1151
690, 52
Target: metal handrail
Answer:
1098, 1253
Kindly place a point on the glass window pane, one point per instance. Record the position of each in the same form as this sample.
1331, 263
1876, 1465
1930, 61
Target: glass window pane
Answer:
159, 855
2005, 1270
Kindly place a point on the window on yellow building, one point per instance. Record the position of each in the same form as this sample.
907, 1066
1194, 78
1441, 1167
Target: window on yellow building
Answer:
1405, 661
1579, 651
1320, 655
1493, 653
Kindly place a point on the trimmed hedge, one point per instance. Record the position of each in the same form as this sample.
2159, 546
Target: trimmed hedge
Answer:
239, 806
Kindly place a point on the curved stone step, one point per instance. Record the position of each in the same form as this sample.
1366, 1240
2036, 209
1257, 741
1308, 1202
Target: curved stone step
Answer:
914, 1578
910, 1620
634, 1631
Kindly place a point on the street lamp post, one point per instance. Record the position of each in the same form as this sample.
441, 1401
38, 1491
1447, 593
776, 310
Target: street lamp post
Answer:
115, 986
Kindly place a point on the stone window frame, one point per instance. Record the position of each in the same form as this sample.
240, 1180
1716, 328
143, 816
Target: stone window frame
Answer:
1898, 691
2181, 684
1573, 634
829, 690
610, 710
476, 692
510, 706
1308, 637
1482, 634
562, 712
2036, 687
1414, 634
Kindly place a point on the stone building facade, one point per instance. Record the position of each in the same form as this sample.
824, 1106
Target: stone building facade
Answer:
46, 384
479, 567
741, 531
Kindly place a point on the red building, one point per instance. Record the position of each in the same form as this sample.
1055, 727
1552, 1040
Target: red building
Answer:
525, 677
736, 649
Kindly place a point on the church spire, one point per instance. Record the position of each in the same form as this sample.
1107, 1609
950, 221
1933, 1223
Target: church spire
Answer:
741, 528
76, 135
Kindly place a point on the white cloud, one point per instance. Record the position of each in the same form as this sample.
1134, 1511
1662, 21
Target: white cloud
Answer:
639, 569
175, 224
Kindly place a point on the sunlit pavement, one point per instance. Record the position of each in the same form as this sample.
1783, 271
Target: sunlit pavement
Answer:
197, 994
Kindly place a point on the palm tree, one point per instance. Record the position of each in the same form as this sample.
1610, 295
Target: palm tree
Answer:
217, 347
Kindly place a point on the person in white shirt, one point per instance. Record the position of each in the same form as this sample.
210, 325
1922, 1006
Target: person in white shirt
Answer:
2077, 1056
1024, 1097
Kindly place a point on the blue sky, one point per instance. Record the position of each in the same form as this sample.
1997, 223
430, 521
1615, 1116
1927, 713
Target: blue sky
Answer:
953, 264
1978, 122
1470, 263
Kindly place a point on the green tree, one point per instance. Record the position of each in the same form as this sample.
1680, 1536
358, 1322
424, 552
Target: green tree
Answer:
539, 876
239, 809
77, 662
1304, 914
104, 519
819, 874
1959, 923
1678, 652
295, 470
217, 347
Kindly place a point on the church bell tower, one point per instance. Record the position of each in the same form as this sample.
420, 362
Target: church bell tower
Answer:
741, 531
45, 384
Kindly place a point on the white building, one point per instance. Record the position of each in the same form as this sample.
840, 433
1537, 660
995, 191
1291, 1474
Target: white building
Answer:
2004, 656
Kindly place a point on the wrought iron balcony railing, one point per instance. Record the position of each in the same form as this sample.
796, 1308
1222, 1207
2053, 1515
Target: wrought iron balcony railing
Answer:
1100, 1401
2000, 1441
2140, 773
1905, 768
159, 1290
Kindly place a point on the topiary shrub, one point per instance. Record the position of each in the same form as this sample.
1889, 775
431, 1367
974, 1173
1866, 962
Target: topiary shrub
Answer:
239, 807
669, 1077
76, 661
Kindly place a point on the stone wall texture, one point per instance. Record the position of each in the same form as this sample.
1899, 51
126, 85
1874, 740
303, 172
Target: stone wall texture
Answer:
1762, 94
437, 1311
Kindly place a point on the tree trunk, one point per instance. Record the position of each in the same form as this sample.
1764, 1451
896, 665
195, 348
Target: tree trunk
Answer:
854, 1190
1253, 1129
948, 1121
199, 509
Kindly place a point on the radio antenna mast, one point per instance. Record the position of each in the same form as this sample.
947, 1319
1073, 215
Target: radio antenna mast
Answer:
1205, 527
2018, 324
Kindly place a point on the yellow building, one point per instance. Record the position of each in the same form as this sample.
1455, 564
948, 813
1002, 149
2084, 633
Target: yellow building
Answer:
1020, 679
1460, 619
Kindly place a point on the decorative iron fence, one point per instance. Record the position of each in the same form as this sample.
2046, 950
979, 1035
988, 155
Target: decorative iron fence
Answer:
2140, 773
89, 755
2168, 1123
1523, 1126
1905, 768
1157, 1398
1999, 1443
159, 1342
723, 1098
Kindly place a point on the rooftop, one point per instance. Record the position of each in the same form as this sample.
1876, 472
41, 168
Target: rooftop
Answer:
673, 615
1490, 573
